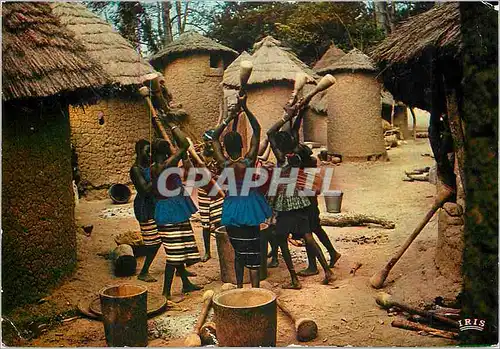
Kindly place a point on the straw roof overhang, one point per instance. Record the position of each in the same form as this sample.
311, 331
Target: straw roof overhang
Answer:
409, 55
41, 58
187, 43
116, 55
354, 60
272, 63
332, 55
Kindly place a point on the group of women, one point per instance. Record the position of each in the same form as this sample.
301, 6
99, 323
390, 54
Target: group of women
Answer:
165, 220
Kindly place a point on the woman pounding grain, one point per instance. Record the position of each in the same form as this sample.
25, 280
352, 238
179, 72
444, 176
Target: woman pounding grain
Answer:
172, 213
242, 215
293, 211
144, 206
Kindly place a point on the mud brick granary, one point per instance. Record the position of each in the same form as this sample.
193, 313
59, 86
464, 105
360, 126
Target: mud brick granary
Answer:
104, 134
44, 69
354, 108
271, 82
193, 66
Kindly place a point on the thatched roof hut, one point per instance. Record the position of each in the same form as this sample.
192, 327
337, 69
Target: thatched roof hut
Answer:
104, 134
44, 68
332, 55
409, 56
272, 63
354, 108
193, 66
118, 58
188, 43
41, 58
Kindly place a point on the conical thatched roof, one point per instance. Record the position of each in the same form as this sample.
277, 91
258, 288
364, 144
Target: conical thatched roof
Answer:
355, 60
332, 55
437, 28
271, 63
118, 58
189, 42
40, 57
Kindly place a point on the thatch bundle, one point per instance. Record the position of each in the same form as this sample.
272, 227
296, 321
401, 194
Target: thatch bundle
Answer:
332, 55
40, 57
271, 63
409, 57
355, 60
437, 28
189, 42
119, 59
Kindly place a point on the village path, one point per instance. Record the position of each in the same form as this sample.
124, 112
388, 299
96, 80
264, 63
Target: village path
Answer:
345, 311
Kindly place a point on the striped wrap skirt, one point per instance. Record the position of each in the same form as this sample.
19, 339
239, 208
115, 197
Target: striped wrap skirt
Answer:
246, 244
179, 243
210, 209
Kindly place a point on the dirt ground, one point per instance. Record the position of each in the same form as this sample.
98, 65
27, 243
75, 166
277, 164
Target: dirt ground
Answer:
345, 311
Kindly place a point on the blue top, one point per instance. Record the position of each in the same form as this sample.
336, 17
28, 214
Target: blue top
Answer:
251, 210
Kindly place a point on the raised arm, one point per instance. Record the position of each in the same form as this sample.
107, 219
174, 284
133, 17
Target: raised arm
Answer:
218, 153
182, 145
280, 157
254, 123
297, 123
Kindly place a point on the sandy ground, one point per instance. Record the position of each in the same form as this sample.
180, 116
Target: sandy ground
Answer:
345, 311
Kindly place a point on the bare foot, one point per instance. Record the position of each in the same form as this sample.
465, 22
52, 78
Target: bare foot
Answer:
308, 272
190, 288
146, 277
292, 286
206, 257
273, 264
334, 259
175, 299
328, 278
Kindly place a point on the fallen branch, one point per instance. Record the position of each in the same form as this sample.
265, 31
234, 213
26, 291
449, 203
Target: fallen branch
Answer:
401, 323
353, 220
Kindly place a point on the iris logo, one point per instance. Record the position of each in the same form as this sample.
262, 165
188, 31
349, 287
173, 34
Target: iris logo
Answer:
471, 324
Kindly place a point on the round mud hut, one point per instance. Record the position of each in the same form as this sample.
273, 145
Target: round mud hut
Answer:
354, 109
104, 135
44, 69
315, 121
271, 82
193, 66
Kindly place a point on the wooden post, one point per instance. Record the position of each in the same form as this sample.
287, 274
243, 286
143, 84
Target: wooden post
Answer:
392, 115
456, 131
414, 122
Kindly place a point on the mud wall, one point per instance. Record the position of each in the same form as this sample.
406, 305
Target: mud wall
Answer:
315, 126
197, 86
401, 120
38, 231
479, 110
450, 241
354, 111
104, 137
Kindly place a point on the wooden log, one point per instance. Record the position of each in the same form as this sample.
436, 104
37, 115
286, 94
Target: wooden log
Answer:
405, 324
124, 261
414, 123
354, 220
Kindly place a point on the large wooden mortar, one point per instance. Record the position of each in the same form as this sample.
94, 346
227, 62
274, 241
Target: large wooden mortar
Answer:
246, 318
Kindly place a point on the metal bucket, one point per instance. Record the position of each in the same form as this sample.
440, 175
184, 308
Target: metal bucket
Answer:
125, 315
246, 317
333, 201
226, 257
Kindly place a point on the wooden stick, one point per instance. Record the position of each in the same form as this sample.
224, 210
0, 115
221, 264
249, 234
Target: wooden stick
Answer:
401, 323
387, 301
353, 220
193, 339
378, 279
